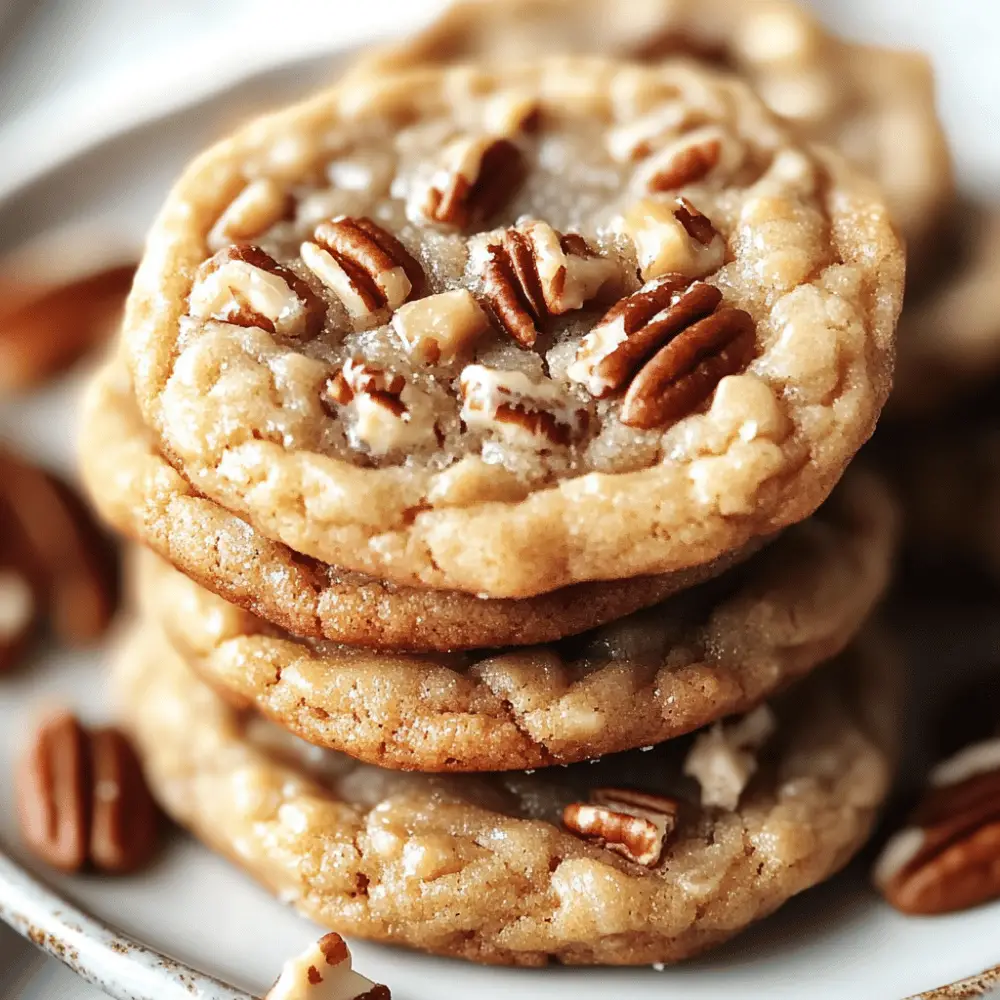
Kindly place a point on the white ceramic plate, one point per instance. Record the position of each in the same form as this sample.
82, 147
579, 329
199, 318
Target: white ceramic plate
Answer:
835, 942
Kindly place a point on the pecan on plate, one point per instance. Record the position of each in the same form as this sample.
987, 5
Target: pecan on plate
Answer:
364, 265
323, 972
44, 329
633, 824
51, 546
245, 286
19, 613
82, 799
478, 175
947, 858
531, 272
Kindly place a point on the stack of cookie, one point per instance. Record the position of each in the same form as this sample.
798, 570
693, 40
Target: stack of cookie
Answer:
483, 419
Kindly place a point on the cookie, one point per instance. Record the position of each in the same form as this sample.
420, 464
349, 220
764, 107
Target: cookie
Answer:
876, 105
701, 655
456, 329
482, 867
142, 496
949, 334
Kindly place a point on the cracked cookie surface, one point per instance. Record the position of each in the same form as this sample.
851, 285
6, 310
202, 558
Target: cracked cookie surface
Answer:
141, 495
389, 856
877, 105
495, 327
710, 652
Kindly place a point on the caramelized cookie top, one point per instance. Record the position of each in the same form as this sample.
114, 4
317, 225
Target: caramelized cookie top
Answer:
486, 283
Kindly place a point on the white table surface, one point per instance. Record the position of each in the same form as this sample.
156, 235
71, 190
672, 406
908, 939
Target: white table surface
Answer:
70, 66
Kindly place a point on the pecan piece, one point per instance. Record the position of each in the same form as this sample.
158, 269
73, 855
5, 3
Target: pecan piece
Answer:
440, 327
685, 372
633, 824
636, 327
478, 175
253, 211
82, 798
525, 410
723, 758
531, 273
365, 266
245, 286
674, 237
948, 856
388, 415
324, 972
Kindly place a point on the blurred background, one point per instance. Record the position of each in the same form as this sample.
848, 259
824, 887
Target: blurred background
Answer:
75, 71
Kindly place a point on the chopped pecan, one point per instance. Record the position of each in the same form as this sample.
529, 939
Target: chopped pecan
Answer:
531, 273
478, 175
723, 758
439, 328
388, 414
636, 327
684, 373
532, 411
82, 799
633, 824
253, 211
245, 286
367, 268
674, 237
948, 856
324, 972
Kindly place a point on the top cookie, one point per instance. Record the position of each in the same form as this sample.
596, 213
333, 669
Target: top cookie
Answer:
490, 330
877, 105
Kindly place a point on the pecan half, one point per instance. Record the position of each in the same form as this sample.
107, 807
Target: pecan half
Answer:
245, 286
636, 327
633, 824
324, 972
532, 411
260, 205
948, 856
478, 175
82, 798
530, 273
44, 329
51, 543
365, 266
685, 372
388, 415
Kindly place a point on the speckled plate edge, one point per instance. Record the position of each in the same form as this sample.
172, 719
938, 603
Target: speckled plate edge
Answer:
985, 984
111, 960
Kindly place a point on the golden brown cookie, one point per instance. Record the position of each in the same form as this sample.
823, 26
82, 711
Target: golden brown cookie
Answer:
142, 496
526, 869
503, 331
701, 655
876, 105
